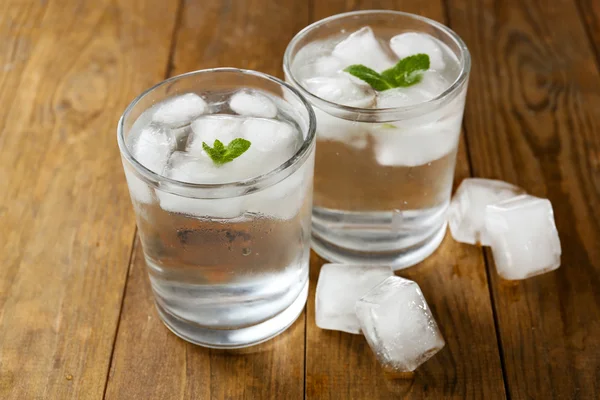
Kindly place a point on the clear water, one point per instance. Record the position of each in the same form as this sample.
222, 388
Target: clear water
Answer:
225, 272
381, 189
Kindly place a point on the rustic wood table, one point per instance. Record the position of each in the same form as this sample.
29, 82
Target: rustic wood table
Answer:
76, 314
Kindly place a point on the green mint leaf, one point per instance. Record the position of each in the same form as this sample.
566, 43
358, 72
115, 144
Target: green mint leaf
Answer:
408, 71
235, 148
376, 80
221, 154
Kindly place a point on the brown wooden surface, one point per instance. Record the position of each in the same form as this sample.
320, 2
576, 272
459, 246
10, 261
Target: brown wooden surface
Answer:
76, 314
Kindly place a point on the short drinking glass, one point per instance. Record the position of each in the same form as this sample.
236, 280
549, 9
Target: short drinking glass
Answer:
386, 141
219, 165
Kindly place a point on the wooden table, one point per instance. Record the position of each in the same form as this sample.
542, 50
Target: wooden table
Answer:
76, 314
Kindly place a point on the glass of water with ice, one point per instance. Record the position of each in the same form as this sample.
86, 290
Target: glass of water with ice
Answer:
219, 165
388, 90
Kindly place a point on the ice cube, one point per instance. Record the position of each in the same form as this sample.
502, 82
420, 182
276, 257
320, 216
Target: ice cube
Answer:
351, 133
138, 189
467, 208
272, 143
420, 144
253, 103
180, 110
398, 325
200, 170
362, 47
523, 236
431, 85
411, 43
284, 199
152, 147
326, 66
341, 90
208, 128
338, 289
181, 136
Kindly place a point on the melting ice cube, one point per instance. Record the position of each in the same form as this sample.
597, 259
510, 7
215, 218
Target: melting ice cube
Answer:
338, 289
467, 208
211, 127
341, 90
406, 145
411, 43
201, 170
180, 110
523, 236
152, 147
362, 47
253, 103
398, 325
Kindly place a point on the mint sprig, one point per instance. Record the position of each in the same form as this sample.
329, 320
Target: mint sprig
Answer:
373, 78
407, 72
221, 154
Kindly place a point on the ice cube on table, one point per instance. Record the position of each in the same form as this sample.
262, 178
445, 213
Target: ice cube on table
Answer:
341, 89
253, 103
184, 167
180, 110
398, 325
468, 206
362, 47
523, 237
338, 289
152, 146
211, 127
411, 43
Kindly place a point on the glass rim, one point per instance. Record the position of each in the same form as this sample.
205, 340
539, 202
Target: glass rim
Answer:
269, 177
383, 114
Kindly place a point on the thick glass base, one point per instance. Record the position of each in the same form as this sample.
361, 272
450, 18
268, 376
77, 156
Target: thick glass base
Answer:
234, 338
399, 239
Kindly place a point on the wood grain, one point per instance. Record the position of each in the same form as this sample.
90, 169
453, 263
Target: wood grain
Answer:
342, 366
534, 120
589, 10
67, 71
149, 362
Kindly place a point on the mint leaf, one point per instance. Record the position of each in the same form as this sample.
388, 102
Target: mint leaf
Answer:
373, 78
407, 71
221, 154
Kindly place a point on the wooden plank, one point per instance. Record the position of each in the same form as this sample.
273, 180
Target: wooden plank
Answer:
534, 120
341, 366
149, 361
590, 13
68, 69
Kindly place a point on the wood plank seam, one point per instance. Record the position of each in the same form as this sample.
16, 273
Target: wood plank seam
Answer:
112, 351
171, 60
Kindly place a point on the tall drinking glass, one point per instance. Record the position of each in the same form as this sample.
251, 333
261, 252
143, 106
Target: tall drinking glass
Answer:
226, 242
385, 157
